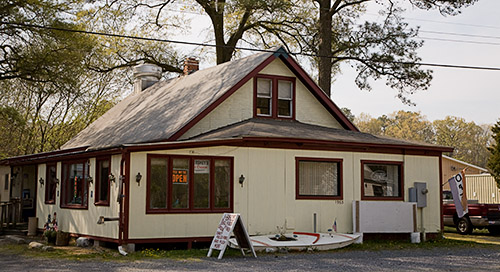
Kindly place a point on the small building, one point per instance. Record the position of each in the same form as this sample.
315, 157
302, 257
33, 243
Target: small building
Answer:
254, 136
453, 166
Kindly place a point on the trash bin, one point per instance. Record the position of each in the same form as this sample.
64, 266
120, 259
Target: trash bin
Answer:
32, 226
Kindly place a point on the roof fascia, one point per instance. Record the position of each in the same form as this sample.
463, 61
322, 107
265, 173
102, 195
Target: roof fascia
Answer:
465, 163
221, 99
318, 93
59, 154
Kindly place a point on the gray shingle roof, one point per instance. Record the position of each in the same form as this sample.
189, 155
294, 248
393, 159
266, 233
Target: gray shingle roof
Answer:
296, 130
161, 110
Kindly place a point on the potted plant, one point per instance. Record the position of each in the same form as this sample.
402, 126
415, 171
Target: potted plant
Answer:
50, 235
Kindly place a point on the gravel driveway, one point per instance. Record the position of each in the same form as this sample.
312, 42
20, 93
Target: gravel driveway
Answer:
437, 259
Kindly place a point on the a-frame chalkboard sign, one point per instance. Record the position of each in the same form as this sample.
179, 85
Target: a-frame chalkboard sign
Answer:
230, 222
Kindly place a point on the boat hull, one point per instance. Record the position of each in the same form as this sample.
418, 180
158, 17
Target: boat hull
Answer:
301, 241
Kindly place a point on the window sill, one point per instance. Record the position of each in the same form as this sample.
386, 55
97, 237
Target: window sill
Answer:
320, 197
75, 207
102, 203
50, 202
185, 211
382, 198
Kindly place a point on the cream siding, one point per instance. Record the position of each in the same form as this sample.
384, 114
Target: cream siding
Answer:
267, 198
239, 106
82, 221
482, 188
4, 193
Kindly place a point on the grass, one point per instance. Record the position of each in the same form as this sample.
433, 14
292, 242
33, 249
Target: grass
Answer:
107, 254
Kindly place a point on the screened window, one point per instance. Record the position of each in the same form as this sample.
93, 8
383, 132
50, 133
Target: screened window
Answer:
319, 178
274, 96
102, 182
189, 184
382, 180
50, 184
75, 185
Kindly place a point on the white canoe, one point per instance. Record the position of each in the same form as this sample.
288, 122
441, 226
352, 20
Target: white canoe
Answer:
301, 241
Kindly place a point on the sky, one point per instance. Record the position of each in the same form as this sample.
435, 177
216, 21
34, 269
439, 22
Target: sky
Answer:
470, 94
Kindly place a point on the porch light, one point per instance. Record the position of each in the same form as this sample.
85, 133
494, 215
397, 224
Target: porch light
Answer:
56, 180
138, 178
241, 180
41, 181
90, 180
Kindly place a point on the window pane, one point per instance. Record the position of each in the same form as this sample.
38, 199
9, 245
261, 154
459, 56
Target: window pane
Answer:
264, 87
284, 89
318, 178
285, 108
222, 183
51, 184
76, 189
180, 183
263, 106
103, 186
158, 183
201, 183
381, 180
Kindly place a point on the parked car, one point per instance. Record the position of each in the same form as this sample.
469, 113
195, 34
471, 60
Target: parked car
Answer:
480, 216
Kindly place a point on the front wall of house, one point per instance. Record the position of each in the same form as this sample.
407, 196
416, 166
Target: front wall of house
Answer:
81, 221
239, 106
267, 198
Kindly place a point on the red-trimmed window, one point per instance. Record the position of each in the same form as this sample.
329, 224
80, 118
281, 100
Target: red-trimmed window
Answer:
102, 183
318, 178
274, 96
50, 183
189, 184
382, 180
74, 188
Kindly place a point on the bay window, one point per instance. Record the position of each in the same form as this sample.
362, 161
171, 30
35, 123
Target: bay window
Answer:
188, 184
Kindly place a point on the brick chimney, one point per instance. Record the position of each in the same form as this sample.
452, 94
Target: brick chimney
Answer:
191, 65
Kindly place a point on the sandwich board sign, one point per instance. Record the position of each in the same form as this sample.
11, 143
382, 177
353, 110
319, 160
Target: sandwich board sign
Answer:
230, 222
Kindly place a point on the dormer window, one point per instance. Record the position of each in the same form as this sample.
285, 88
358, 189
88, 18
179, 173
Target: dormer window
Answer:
274, 96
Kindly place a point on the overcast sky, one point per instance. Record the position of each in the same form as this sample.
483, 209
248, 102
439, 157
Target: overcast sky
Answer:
471, 94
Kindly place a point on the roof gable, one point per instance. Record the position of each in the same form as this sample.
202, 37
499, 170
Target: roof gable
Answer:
169, 108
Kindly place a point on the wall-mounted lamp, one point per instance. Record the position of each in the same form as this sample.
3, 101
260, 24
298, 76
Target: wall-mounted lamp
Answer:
90, 180
241, 180
56, 180
112, 178
41, 181
138, 178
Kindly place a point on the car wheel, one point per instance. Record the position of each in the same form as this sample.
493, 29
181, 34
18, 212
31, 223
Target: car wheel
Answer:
464, 226
494, 230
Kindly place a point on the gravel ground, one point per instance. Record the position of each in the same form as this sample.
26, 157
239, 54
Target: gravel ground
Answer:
438, 259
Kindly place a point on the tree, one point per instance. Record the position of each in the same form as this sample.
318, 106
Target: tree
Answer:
386, 49
494, 149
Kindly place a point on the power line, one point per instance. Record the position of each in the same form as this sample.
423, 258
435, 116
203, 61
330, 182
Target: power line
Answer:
245, 48
458, 41
459, 34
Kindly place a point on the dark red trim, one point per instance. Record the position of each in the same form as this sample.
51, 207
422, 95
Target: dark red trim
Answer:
274, 96
401, 180
28, 159
125, 207
221, 99
318, 93
65, 184
47, 178
98, 182
441, 192
325, 197
170, 240
190, 209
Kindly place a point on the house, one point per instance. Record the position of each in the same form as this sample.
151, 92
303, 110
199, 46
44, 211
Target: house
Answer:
254, 136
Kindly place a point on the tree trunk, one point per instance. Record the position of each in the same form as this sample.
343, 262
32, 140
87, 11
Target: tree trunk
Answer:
325, 46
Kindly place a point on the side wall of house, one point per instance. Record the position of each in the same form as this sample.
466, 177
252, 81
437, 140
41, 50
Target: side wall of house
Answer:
81, 221
267, 198
239, 106
4, 178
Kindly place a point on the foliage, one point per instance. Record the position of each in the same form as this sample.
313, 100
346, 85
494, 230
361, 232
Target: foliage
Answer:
470, 141
494, 160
